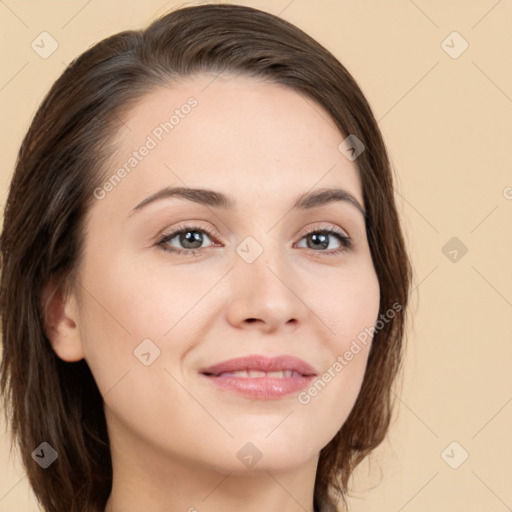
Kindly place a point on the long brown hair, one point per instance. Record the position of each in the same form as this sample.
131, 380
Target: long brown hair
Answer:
59, 165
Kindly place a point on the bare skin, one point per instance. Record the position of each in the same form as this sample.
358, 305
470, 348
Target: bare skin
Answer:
175, 436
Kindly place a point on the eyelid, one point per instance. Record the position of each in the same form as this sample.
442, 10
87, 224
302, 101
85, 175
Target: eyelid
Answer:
192, 225
325, 228
343, 237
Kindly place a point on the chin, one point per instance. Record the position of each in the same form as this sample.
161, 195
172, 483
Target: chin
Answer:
274, 454
270, 462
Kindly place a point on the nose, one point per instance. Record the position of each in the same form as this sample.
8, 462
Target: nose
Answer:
266, 294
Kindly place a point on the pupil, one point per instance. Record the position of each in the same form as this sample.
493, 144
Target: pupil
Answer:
191, 237
321, 240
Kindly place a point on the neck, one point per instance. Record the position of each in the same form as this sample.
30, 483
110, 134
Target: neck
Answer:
144, 479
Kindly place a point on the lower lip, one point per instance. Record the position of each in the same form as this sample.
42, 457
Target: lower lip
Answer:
263, 388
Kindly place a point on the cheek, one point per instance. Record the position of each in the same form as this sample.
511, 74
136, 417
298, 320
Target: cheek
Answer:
125, 317
349, 303
138, 301
178, 309
128, 303
131, 310
350, 311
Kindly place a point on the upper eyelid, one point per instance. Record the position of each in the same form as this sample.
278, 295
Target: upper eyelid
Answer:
166, 236
212, 233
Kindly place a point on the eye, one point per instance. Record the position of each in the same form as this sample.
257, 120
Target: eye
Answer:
320, 238
191, 238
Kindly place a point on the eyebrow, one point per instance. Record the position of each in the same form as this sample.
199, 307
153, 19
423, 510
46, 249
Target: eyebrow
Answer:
215, 199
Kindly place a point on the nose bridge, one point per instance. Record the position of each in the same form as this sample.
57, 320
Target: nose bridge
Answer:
263, 262
262, 283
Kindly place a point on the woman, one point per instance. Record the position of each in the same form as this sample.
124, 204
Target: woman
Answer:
204, 281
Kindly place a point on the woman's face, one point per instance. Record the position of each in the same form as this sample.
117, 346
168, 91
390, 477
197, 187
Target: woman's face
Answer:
266, 279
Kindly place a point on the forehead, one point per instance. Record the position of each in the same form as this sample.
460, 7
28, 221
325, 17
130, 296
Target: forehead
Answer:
231, 132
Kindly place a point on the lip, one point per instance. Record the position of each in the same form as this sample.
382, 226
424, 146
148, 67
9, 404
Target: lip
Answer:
299, 375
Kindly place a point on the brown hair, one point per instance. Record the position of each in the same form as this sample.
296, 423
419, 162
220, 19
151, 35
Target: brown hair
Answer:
60, 164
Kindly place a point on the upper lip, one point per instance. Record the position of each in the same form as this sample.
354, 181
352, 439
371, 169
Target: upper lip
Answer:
261, 363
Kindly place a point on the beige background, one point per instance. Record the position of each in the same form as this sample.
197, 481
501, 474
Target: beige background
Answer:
448, 125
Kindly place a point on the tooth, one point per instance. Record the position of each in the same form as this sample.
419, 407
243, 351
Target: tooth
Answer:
256, 373
260, 373
239, 373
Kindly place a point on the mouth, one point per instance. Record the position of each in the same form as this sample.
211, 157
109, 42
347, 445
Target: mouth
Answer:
246, 374
260, 377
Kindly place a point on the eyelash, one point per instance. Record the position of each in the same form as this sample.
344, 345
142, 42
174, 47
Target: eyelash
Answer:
346, 242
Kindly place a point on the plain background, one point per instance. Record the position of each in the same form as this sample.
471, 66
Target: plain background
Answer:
448, 124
